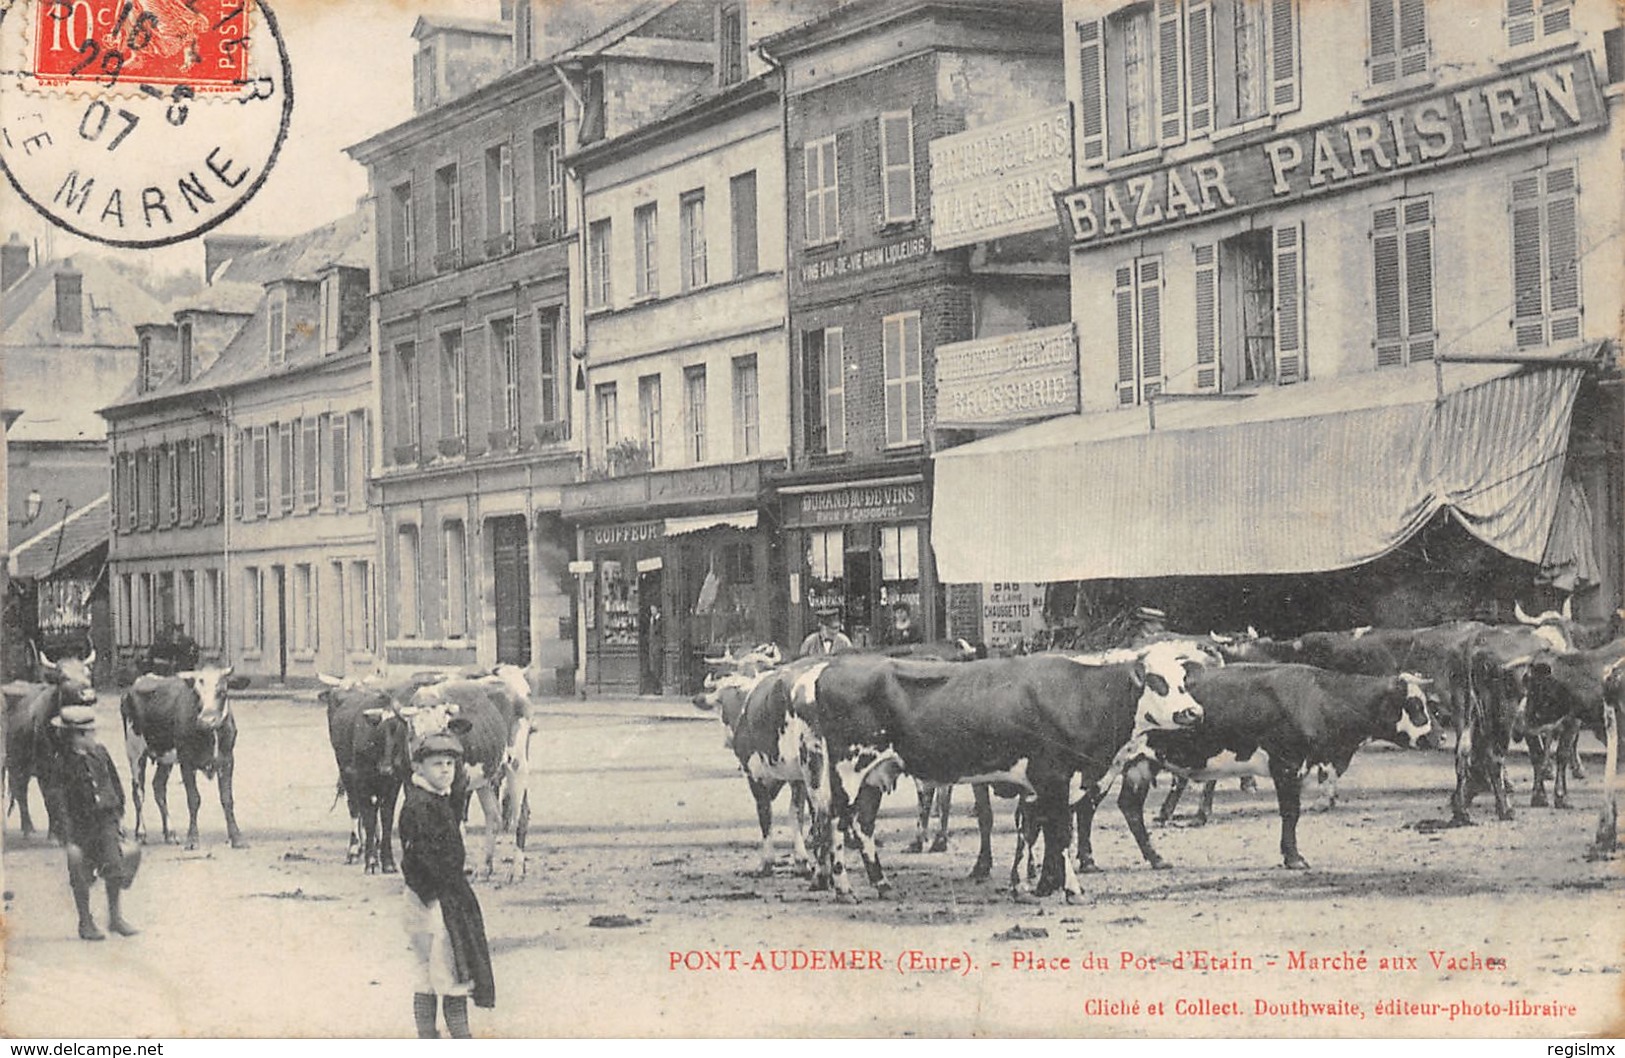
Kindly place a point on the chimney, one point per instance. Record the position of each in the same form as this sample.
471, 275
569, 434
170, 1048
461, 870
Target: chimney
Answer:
13, 261
218, 249
70, 300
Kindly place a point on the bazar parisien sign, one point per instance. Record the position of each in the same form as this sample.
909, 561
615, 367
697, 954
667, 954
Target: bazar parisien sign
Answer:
1480, 118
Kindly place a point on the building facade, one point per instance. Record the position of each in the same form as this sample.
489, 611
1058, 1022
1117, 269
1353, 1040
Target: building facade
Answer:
868, 87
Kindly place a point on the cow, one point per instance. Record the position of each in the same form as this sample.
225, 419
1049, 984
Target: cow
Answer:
1026, 724
185, 718
367, 738
1277, 720
487, 717
1564, 694
32, 749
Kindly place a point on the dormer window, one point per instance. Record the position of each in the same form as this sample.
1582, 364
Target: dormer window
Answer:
730, 43
144, 377
593, 120
70, 312
524, 38
332, 318
185, 351
276, 327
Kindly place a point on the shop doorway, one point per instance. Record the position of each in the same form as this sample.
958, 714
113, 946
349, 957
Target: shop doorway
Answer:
860, 581
510, 567
651, 633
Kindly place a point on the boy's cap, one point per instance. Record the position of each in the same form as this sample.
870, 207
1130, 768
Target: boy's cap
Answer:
75, 718
438, 744
1151, 613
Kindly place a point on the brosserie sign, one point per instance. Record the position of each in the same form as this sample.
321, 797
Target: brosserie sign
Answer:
1480, 118
1013, 376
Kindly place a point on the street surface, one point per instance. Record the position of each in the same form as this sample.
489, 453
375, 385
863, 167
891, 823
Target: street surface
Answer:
643, 824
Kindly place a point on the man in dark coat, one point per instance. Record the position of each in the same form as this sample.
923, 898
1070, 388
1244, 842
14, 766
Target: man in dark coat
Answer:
95, 802
442, 914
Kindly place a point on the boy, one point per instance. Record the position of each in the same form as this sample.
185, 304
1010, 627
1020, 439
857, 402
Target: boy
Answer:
442, 914
95, 800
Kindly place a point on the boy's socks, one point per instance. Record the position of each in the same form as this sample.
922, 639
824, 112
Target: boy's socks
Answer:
456, 1008
423, 1013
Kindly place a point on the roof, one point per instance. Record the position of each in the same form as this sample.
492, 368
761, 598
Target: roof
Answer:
346, 242
114, 303
61, 543
858, 16
701, 108
484, 27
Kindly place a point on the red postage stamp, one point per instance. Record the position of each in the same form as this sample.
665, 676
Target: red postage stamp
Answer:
201, 43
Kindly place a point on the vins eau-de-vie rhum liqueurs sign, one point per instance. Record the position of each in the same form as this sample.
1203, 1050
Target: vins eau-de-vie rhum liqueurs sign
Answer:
1480, 118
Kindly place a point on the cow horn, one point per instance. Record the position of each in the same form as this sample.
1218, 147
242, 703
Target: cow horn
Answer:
1567, 614
45, 661
1518, 612
331, 681
91, 659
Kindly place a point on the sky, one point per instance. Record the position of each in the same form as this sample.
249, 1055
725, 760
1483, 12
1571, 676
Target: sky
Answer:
352, 74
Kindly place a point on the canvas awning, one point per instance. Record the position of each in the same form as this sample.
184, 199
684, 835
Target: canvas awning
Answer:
61, 543
696, 523
1319, 476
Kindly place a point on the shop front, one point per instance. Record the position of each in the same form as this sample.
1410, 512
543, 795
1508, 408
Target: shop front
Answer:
860, 549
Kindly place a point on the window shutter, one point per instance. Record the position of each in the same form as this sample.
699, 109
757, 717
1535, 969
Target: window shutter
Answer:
1413, 38
1562, 254
1387, 301
1520, 22
1384, 42
1555, 16
1124, 295
1419, 330
813, 378
835, 390
1150, 303
1528, 304
1199, 52
1170, 74
1283, 56
1289, 337
815, 203
1092, 98
1207, 315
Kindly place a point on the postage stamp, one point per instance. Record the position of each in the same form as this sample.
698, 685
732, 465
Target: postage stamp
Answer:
141, 123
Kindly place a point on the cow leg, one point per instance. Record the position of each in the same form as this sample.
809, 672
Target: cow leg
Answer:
1176, 790
1571, 745
228, 803
1462, 798
359, 804
368, 821
1204, 809
1131, 802
1084, 821
17, 783
982, 793
1605, 842
1288, 795
861, 821
1054, 821
1023, 875
926, 792
386, 812
798, 836
521, 831
491, 808
160, 795
1539, 764
1566, 743
194, 801
1326, 797
763, 793
945, 804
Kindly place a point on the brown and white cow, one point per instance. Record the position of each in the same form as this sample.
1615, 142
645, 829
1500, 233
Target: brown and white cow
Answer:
32, 749
186, 719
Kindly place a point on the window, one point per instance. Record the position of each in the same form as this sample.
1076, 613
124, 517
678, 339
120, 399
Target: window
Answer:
276, 326
455, 618
402, 237
548, 172
1529, 20
826, 569
609, 429
188, 480
448, 218
409, 432
594, 120
150, 507
406, 587
823, 363
742, 197
900, 565
730, 44
213, 474
454, 385
694, 411
1249, 315
505, 369
498, 198
208, 633
645, 251
598, 264
170, 488
332, 313
126, 610
1153, 73
338, 448
253, 611
649, 416
1545, 256
1402, 267
262, 471
524, 40
425, 85
747, 426
819, 162
905, 415
1399, 40
897, 165
547, 357
310, 462
287, 465
361, 446
358, 623
305, 609
129, 491
691, 220
185, 351
146, 376
239, 477
1138, 295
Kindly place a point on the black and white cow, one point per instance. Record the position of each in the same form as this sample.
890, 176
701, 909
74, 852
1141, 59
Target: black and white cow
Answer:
368, 738
1277, 720
1563, 695
1028, 725
32, 750
184, 719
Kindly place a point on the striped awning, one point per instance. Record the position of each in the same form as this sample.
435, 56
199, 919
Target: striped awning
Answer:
1306, 478
697, 523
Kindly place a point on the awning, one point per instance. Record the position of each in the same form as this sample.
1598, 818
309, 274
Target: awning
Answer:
1305, 478
700, 522
61, 543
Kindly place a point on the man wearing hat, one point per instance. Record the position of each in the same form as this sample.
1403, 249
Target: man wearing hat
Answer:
95, 800
829, 639
443, 916
1150, 623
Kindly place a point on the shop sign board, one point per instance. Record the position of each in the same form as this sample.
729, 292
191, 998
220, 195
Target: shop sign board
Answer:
846, 504
1010, 377
1000, 179
625, 533
1011, 613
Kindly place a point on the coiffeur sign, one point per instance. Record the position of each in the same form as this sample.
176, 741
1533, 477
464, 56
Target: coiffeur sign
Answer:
1481, 118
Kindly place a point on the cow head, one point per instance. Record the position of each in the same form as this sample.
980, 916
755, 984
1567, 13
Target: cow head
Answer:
210, 685
71, 677
1555, 627
514, 679
396, 756
1415, 724
1161, 672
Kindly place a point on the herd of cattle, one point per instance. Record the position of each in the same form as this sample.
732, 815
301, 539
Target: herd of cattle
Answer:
1055, 731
